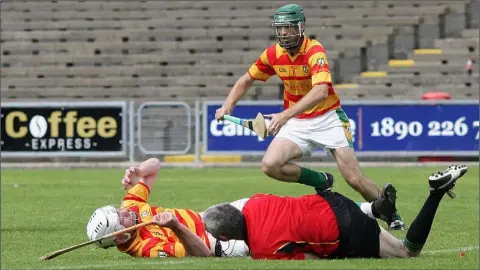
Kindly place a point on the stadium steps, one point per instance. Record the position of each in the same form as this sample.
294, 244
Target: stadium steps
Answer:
127, 43
423, 79
442, 68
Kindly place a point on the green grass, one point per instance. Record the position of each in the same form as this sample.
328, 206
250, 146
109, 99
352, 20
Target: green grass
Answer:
47, 210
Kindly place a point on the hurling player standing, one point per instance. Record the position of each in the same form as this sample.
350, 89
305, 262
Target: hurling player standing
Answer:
312, 115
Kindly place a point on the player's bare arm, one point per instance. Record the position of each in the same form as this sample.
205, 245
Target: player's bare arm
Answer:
314, 97
192, 243
146, 172
238, 90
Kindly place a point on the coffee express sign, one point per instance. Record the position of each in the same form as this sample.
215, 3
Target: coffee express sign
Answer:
63, 128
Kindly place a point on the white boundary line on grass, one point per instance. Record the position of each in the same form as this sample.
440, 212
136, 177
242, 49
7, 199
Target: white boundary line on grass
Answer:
158, 262
450, 250
180, 261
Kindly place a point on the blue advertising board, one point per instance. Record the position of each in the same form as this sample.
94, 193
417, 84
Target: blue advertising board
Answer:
403, 128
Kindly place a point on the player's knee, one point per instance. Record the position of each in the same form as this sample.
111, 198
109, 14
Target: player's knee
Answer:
270, 167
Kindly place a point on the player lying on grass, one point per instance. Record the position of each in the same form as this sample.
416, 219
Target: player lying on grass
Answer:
180, 232
312, 115
326, 225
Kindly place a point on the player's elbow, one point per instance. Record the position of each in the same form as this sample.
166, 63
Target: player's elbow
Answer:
321, 91
246, 80
155, 163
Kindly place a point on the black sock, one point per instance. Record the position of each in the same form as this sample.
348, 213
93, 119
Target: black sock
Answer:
418, 232
374, 211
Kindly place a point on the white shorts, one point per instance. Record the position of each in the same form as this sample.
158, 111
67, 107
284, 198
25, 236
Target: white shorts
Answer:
232, 248
329, 131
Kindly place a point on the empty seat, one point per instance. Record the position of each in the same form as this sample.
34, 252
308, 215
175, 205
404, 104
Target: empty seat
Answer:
446, 56
470, 33
459, 91
431, 67
129, 60
158, 35
82, 48
370, 20
75, 15
406, 91
456, 43
142, 71
423, 79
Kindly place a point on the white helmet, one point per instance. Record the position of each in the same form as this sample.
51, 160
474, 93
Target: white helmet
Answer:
104, 221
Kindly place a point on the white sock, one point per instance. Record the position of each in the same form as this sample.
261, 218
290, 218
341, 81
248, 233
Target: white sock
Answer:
366, 208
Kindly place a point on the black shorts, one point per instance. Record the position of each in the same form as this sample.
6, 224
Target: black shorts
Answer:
359, 234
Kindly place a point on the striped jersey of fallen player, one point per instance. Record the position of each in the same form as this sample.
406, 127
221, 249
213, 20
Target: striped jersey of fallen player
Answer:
299, 73
154, 241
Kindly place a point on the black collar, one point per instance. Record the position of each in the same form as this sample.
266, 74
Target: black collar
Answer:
244, 231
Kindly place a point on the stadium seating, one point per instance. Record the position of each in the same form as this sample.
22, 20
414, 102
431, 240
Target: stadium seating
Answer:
184, 50
439, 69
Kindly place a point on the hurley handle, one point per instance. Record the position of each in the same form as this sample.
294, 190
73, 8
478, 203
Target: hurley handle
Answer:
233, 119
117, 233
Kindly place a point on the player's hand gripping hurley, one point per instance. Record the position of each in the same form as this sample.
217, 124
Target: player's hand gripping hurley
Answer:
257, 125
117, 233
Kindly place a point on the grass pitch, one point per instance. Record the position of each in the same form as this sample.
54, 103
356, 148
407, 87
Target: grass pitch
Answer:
46, 210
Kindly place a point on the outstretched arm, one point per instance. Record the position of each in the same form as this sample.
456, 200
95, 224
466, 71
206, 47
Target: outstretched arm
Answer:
146, 172
192, 243
260, 70
239, 89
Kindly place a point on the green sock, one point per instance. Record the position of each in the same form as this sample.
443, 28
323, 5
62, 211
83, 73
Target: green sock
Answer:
312, 178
